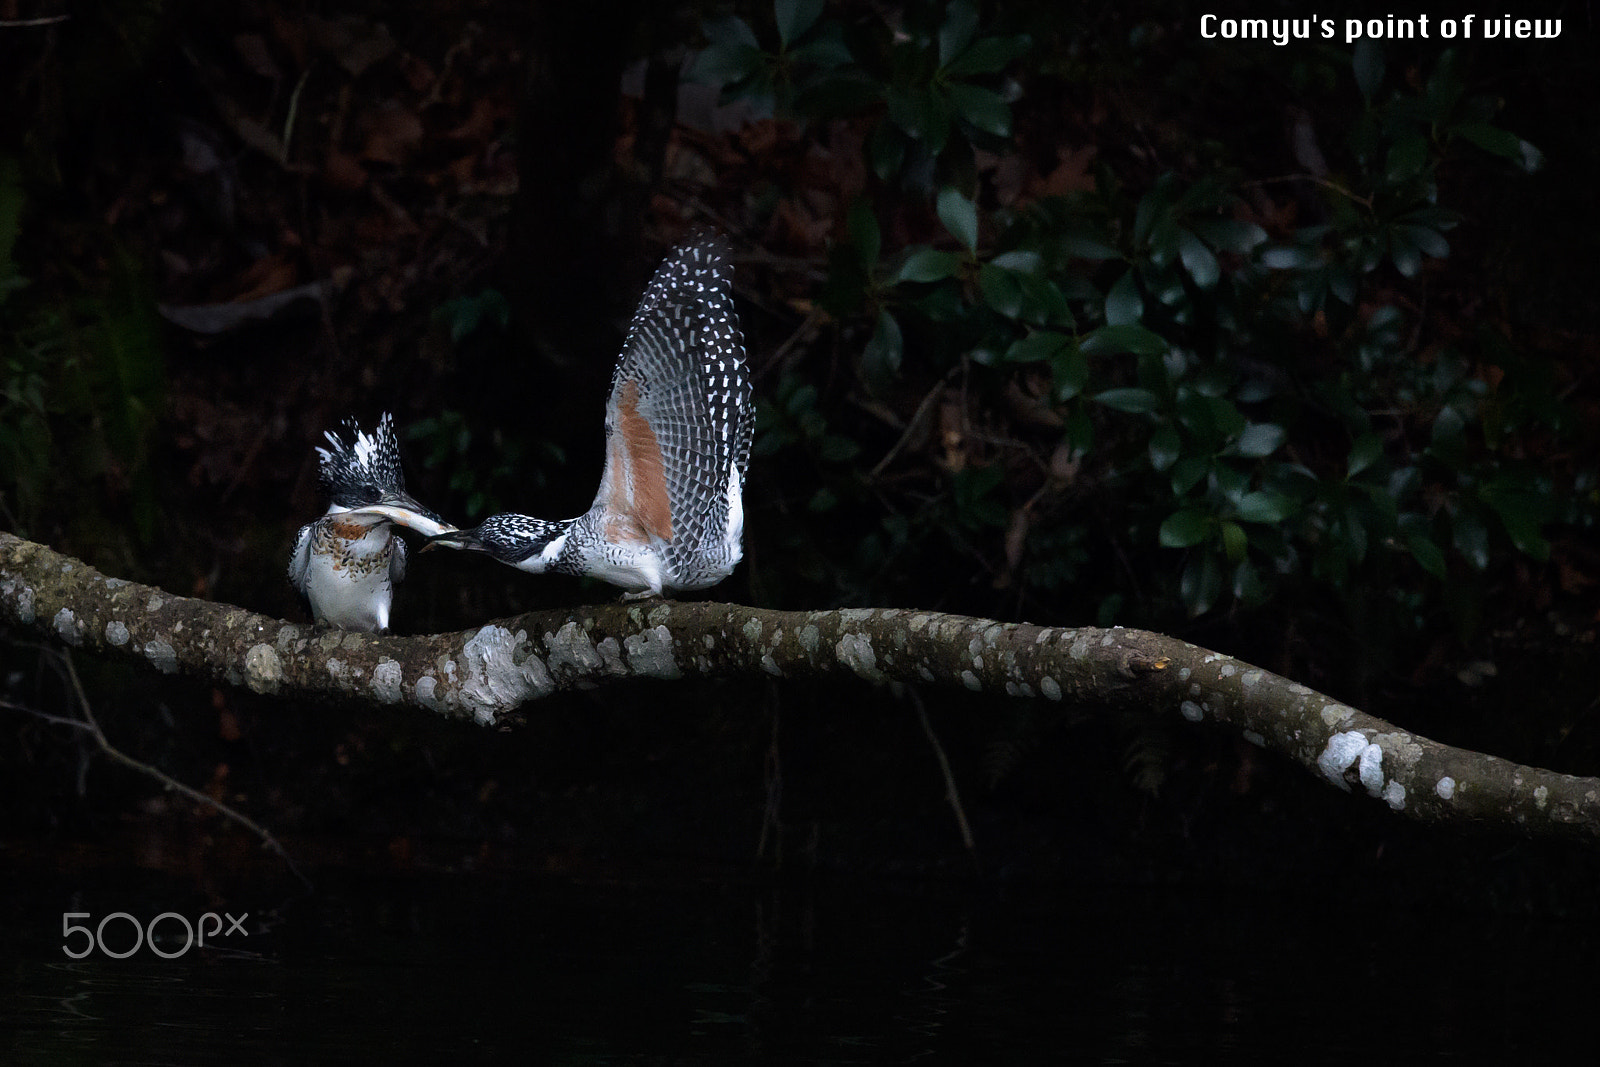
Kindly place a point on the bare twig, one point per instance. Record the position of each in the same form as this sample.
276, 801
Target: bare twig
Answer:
951, 793
92, 725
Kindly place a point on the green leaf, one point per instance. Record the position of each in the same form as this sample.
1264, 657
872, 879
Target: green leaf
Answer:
1165, 448
880, 360
795, 17
1110, 340
1523, 514
928, 265
1259, 439
1502, 143
1201, 582
1234, 541
1449, 436
1185, 528
1069, 367
960, 23
1429, 240
724, 64
1407, 157
984, 109
1426, 553
1131, 400
1039, 345
1198, 260
986, 56
1471, 538
1187, 473
1124, 305
834, 448
959, 215
1020, 260
1265, 506
1230, 235
730, 30
1000, 290
1367, 450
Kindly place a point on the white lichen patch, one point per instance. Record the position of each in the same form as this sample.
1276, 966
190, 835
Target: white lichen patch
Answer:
1050, 688
810, 638
68, 627
1400, 747
1445, 787
1255, 738
1541, 797
751, 631
650, 653
427, 693
977, 663
155, 603
924, 673
1019, 689
1299, 690
340, 672
610, 650
1395, 795
1370, 769
1191, 711
709, 641
1107, 641
164, 658
388, 679
116, 633
493, 680
1250, 679
1337, 714
1340, 754
770, 665
263, 671
970, 680
22, 596
854, 650
1183, 674
1227, 670
569, 650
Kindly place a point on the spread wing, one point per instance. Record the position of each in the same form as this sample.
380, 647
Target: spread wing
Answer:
679, 418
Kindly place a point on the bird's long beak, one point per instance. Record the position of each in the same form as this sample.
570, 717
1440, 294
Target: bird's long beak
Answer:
452, 538
402, 510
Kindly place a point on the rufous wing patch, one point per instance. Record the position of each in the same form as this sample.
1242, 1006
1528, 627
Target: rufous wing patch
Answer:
644, 486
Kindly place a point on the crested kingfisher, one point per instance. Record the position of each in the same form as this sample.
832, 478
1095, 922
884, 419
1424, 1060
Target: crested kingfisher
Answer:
347, 563
669, 514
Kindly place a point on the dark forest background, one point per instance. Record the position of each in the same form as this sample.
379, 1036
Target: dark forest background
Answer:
1056, 313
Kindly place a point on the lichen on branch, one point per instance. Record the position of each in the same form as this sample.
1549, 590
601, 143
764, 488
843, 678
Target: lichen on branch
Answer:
486, 674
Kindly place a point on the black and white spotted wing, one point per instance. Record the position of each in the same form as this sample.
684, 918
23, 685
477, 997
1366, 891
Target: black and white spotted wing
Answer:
683, 369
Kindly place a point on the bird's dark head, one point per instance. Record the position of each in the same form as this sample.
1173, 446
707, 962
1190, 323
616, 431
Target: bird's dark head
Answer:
363, 475
517, 540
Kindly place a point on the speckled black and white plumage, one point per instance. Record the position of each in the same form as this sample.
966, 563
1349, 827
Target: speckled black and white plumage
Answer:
670, 513
346, 564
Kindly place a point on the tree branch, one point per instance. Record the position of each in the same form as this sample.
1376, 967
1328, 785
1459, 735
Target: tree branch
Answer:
485, 674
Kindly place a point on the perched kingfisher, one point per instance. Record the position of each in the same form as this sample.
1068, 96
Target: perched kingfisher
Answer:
347, 563
669, 514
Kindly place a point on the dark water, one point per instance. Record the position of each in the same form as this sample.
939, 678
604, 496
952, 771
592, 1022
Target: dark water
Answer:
462, 969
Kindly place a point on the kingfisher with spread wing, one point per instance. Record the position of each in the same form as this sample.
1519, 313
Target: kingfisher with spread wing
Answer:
669, 515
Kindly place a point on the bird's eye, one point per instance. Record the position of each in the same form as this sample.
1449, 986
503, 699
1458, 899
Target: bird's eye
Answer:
369, 492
